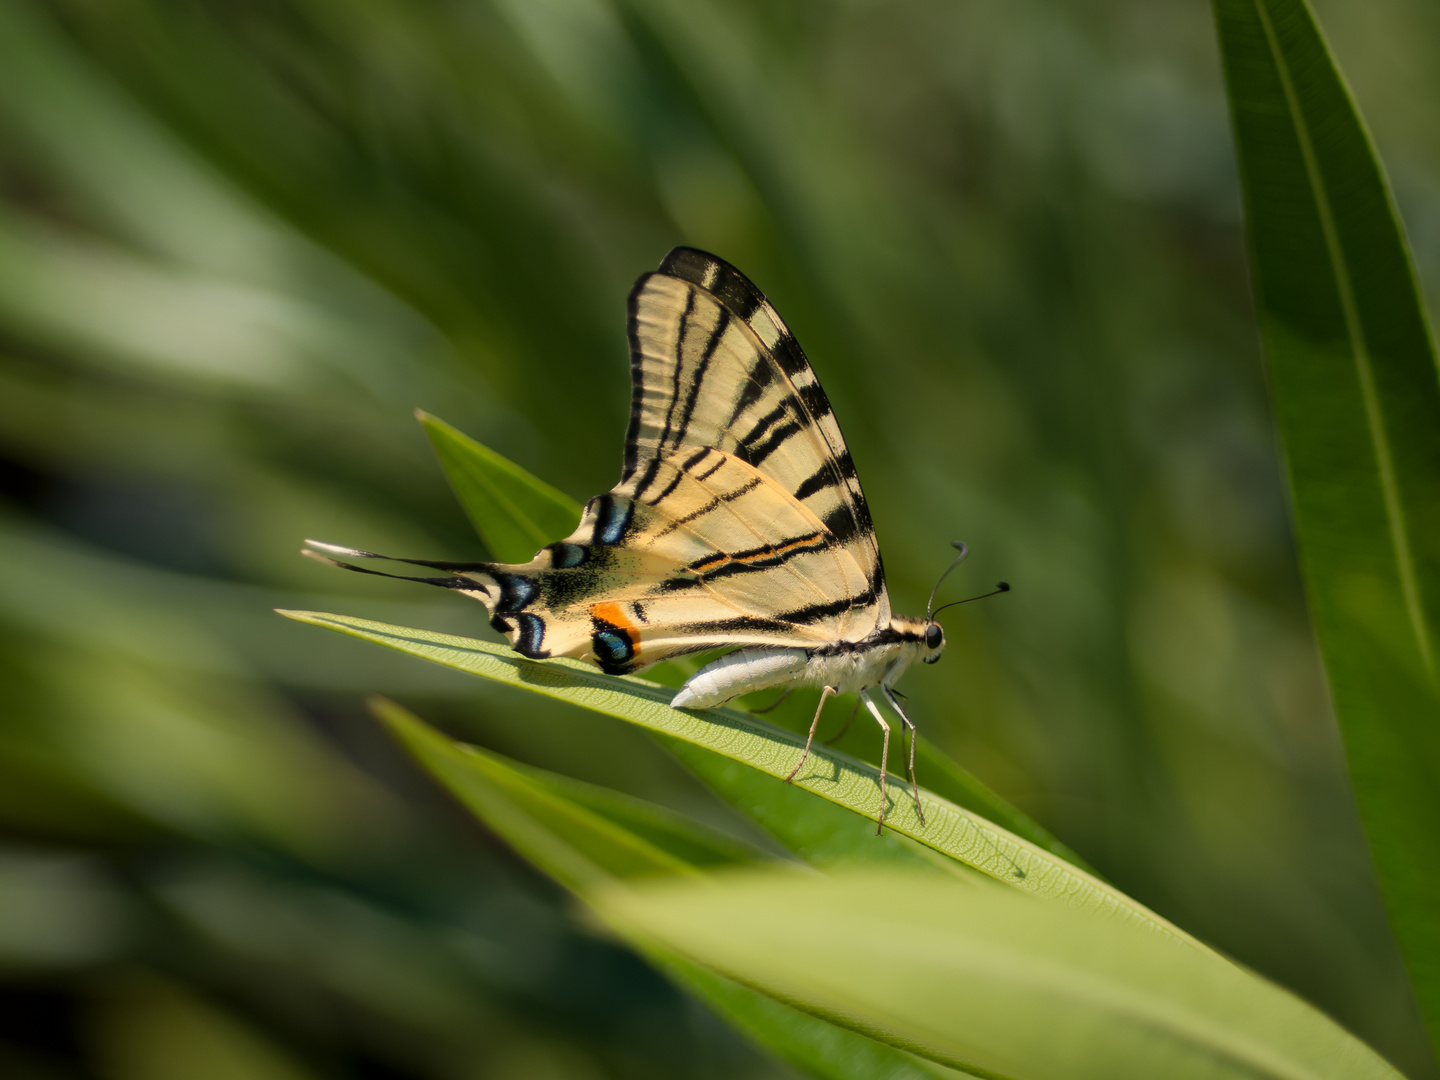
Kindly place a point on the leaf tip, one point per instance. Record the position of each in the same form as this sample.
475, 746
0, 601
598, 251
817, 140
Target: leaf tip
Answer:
389, 713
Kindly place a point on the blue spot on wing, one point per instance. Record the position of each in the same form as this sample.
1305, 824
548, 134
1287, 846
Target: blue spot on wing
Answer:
531, 634
612, 520
515, 592
612, 647
565, 556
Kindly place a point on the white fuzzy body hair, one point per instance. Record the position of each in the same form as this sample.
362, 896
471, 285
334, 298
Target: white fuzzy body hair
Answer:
848, 670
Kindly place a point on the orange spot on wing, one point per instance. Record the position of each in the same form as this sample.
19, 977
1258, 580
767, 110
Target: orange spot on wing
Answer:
613, 614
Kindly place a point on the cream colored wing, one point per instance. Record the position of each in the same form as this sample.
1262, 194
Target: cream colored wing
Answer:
739, 519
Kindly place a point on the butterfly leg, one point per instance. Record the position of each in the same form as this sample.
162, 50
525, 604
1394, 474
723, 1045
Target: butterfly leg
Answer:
884, 756
824, 696
914, 787
774, 704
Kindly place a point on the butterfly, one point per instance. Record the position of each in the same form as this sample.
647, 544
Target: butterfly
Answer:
738, 522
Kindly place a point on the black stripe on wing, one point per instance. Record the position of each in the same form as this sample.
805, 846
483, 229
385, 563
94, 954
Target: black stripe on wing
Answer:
685, 317
722, 565
676, 434
825, 477
781, 622
713, 504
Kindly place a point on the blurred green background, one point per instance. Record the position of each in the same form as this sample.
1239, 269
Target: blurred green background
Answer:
241, 241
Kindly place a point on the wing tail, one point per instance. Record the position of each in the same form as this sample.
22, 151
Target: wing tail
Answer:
317, 551
504, 590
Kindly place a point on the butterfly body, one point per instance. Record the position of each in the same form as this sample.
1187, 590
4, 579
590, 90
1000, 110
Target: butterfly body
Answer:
738, 522
849, 667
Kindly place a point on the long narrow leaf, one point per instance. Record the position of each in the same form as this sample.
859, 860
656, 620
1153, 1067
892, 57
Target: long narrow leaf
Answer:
1354, 378
819, 1047
838, 778
586, 837
571, 842
990, 980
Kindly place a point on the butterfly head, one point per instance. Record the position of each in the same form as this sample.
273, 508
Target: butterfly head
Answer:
934, 642
934, 636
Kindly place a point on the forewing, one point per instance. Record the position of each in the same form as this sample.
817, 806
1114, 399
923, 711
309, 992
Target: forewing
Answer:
713, 366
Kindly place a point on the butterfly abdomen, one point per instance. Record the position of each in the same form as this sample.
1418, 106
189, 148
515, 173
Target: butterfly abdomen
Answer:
740, 672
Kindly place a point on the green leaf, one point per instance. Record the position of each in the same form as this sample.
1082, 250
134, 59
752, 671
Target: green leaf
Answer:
573, 844
948, 829
514, 512
586, 837
476, 472
945, 776
601, 833
1354, 380
819, 1047
990, 980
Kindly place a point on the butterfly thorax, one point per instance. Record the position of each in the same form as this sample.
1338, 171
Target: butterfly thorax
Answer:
878, 659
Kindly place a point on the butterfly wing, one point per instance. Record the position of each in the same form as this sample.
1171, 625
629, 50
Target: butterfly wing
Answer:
713, 366
739, 519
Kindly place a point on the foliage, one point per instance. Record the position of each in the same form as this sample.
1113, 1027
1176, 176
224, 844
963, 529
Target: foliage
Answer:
1357, 393
983, 979
991, 982
588, 838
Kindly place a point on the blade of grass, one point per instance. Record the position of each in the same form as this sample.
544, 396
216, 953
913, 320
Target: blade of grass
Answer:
586, 837
508, 523
988, 980
1354, 381
951, 830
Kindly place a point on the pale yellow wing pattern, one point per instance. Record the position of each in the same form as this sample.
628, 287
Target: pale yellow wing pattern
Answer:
713, 366
738, 521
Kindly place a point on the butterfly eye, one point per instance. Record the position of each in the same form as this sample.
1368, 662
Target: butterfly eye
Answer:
933, 636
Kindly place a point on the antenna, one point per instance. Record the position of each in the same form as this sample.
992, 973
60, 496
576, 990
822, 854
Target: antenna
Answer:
959, 546
1000, 586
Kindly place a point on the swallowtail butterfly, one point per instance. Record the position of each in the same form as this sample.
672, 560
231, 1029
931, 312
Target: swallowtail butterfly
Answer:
738, 522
